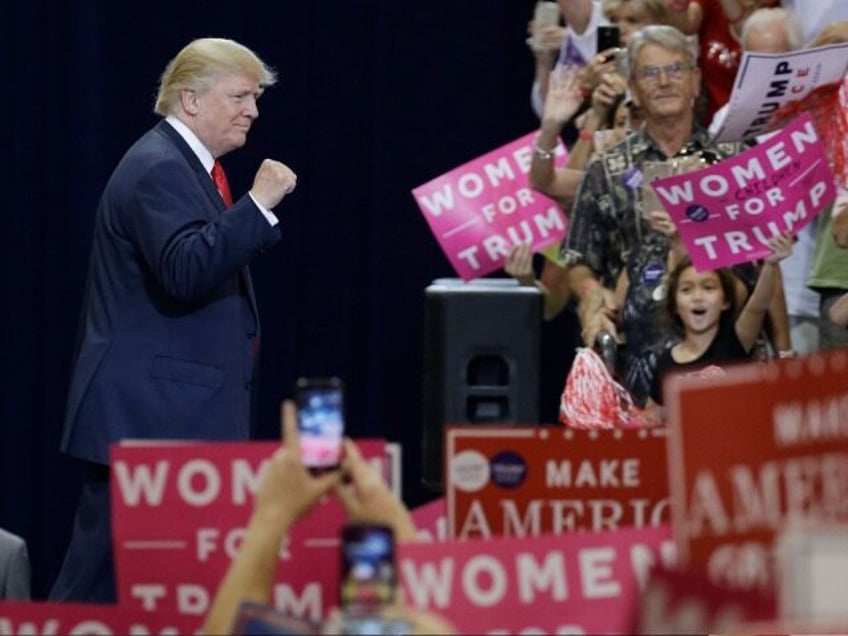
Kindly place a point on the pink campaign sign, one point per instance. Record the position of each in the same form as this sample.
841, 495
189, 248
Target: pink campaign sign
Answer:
570, 584
90, 618
179, 516
479, 211
431, 520
726, 213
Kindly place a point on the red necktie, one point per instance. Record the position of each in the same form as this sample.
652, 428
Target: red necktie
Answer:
221, 183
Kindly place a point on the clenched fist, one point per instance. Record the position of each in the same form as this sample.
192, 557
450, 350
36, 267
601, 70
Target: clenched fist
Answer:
272, 182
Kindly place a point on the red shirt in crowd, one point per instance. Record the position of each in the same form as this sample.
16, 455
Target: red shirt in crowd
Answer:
718, 55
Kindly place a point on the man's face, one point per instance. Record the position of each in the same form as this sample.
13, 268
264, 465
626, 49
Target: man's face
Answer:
664, 84
225, 112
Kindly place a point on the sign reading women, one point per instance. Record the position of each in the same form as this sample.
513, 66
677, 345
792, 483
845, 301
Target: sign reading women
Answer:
479, 211
727, 213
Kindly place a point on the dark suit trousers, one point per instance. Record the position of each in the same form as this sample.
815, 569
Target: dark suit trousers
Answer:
88, 571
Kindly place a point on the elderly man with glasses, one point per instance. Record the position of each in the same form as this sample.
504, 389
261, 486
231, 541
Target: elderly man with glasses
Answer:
609, 232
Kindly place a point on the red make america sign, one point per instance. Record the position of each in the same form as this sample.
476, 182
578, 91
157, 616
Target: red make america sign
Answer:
763, 445
179, 516
526, 481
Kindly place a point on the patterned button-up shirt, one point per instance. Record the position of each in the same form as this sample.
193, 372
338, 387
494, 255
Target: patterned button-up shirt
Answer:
608, 232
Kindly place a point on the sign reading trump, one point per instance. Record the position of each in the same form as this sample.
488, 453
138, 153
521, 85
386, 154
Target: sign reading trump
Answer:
727, 213
479, 211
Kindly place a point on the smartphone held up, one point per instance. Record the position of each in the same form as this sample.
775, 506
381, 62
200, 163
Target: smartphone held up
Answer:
320, 422
546, 14
368, 576
609, 37
369, 580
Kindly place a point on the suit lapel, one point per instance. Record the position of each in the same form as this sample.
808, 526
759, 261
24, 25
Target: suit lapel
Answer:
203, 177
208, 186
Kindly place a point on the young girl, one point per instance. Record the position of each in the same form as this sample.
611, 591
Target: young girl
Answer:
702, 308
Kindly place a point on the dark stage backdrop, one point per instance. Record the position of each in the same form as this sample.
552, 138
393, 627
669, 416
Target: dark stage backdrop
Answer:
375, 97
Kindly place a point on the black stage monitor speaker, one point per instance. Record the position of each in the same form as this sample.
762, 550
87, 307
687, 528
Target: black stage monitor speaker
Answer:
482, 343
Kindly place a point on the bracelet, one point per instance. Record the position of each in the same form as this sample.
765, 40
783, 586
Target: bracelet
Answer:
786, 353
544, 155
586, 135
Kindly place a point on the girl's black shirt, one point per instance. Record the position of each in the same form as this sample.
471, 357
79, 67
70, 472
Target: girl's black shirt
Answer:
724, 348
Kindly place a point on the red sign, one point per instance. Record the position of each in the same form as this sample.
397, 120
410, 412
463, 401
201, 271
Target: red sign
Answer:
762, 445
179, 516
683, 601
17, 619
526, 481
577, 584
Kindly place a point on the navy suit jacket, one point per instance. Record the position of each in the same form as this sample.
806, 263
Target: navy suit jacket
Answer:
169, 318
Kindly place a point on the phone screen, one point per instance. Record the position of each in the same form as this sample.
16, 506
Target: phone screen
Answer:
368, 576
608, 37
320, 422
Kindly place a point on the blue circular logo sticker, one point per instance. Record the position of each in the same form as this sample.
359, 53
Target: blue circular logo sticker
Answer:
652, 272
697, 213
508, 469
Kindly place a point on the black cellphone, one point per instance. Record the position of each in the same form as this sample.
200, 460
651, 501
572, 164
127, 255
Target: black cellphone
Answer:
320, 422
609, 37
368, 573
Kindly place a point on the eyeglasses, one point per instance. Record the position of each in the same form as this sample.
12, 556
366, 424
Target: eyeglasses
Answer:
674, 72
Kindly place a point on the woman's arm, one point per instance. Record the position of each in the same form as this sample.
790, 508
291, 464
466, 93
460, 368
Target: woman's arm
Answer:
562, 101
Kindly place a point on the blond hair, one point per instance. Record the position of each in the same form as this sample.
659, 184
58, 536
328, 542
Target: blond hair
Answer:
197, 65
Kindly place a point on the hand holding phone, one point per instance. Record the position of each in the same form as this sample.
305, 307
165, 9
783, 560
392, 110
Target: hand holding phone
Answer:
545, 18
320, 422
367, 497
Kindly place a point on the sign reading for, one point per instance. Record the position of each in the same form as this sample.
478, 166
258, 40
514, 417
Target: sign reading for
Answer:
479, 211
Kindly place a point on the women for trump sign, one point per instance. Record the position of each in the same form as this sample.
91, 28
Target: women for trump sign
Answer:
479, 211
727, 213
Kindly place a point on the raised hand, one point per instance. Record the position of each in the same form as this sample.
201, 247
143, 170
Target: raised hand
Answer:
781, 247
519, 264
564, 96
661, 222
288, 490
606, 92
546, 40
273, 181
596, 68
368, 499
